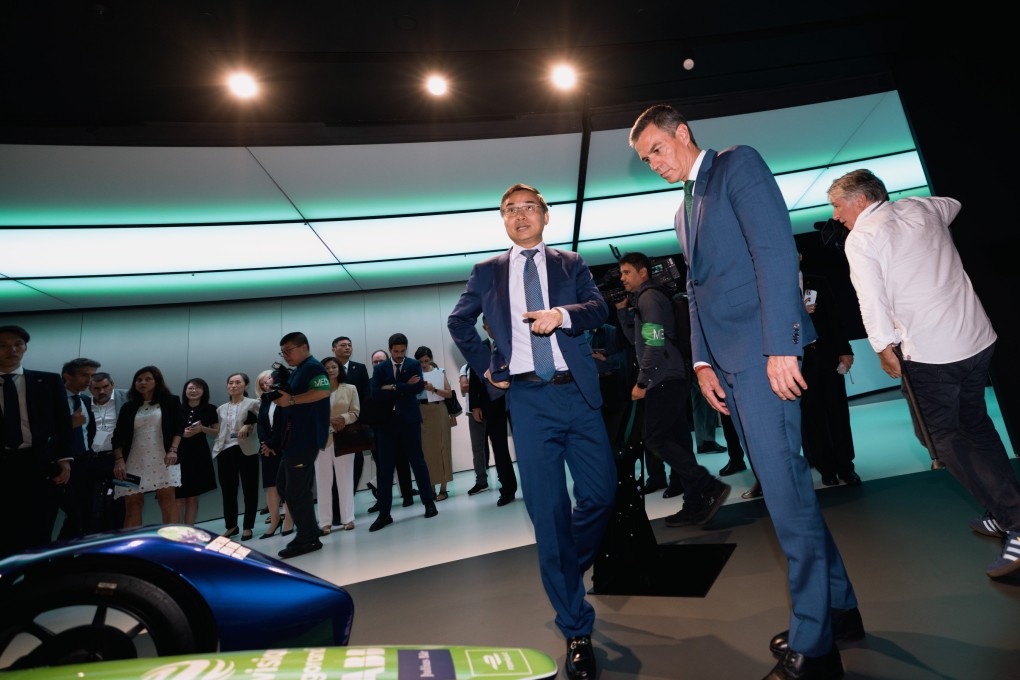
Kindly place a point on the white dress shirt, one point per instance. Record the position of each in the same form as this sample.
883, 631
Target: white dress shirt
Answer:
520, 358
911, 283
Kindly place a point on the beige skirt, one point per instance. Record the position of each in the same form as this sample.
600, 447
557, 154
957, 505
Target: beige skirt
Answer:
435, 441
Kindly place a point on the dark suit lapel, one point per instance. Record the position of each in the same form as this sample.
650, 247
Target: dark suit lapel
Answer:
501, 295
555, 276
700, 184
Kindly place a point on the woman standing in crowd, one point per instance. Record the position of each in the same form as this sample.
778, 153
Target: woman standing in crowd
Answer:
270, 431
199, 419
235, 451
145, 444
435, 422
344, 408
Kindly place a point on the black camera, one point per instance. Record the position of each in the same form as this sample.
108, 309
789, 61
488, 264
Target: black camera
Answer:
281, 383
833, 232
664, 273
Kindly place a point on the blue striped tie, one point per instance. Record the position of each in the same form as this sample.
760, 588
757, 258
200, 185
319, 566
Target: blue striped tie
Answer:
541, 345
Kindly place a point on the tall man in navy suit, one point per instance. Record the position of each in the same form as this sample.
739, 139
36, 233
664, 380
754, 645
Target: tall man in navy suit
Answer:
35, 444
396, 384
748, 332
538, 302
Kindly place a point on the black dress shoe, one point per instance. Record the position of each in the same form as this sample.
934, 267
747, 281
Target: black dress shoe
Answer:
504, 500
380, 522
652, 486
374, 508
796, 666
830, 480
732, 468
580, 658
847, 626
710, 447
713, 499
850, 478
672, 491
477, 489
295, 549
753, 492
430, 510
408, 502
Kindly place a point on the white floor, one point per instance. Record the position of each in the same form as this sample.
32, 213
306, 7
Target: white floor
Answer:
472, 525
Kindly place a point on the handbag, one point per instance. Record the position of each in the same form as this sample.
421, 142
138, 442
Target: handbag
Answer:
453, 406
352, 439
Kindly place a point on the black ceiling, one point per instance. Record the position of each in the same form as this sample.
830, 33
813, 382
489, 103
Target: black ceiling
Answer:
335, 71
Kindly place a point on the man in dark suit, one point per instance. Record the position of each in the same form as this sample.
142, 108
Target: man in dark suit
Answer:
487, 404
35, 445
538, 302
396, 384
85, 496
107, 401
749, 327
357, 375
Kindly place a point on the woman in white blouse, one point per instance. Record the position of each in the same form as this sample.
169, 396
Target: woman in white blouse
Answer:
236, 450
435, 422
344, 408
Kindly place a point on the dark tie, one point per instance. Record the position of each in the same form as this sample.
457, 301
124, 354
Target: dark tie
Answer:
396, 370
689, 199
78, 440
541, 345
12, 414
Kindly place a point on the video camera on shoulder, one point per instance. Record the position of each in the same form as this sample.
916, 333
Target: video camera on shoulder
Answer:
665, 273
281, 383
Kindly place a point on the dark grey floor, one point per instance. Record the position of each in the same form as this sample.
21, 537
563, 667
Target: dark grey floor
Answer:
929, 608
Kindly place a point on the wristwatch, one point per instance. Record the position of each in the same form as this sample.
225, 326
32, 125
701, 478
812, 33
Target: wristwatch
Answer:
291, 400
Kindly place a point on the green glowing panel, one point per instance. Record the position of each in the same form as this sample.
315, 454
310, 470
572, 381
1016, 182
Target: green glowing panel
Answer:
16, 296
364, 180
83, 185
654, 245
417, 272
45, 252
428, 235
116, 291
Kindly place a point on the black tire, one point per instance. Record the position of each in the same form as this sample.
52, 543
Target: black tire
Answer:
92, 616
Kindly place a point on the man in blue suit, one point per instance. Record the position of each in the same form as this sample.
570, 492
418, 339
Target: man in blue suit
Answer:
538, 302
748, 330
396, 384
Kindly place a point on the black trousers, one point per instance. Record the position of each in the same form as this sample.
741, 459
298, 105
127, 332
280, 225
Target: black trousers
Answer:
234, 467
668, 434
88, 502
825, 414
496, 430
296, 482
33, 498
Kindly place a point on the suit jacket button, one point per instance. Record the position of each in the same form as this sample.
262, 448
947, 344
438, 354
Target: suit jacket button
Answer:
696, 282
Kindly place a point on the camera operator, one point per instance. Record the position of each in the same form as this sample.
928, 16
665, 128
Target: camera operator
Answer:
662, 382
305, 400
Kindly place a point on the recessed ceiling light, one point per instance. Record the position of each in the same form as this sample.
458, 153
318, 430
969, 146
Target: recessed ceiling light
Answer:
437, 85
242, 85
564, 76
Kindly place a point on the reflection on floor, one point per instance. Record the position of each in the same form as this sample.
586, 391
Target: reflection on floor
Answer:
468, 526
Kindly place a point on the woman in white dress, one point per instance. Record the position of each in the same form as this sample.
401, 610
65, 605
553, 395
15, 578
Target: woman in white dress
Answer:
344, 408
435, 422
145, 444
236, 452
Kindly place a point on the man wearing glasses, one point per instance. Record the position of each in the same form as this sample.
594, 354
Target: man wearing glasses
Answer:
538, 302
306, 419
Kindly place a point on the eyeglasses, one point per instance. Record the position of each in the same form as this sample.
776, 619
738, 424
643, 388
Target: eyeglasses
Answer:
515, 210
284, 351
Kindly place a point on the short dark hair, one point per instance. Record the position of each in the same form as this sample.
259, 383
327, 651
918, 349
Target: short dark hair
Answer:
297, 337
397, 339
422, 352
17, 330
74, 365
525, 187
244, 377
102, 375
342, 337
204, 399
662, 116
637, 260
158, 392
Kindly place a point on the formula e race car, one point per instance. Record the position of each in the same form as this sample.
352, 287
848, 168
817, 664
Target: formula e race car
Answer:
159, 591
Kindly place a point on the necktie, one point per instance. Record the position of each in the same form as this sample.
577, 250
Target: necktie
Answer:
688, 199
541, 345
396, 370
12, 414
78, 440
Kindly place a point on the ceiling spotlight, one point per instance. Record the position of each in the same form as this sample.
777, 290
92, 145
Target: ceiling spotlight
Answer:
437, 85
688, 63
564, 77
242, 85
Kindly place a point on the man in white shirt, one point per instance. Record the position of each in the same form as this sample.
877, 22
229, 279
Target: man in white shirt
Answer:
107, 401
916, 297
